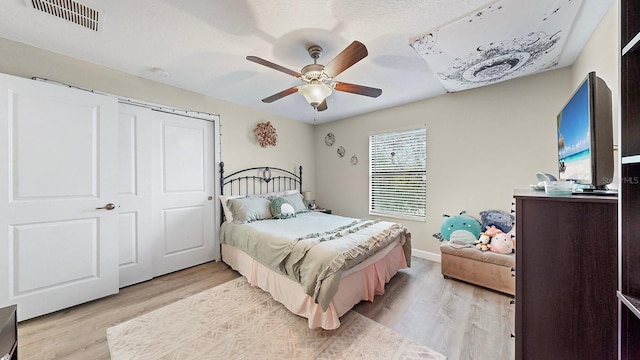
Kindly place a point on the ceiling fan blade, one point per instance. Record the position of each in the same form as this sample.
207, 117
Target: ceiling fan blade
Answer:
358, 89
280, 95
322, 106
269, 64
353, 53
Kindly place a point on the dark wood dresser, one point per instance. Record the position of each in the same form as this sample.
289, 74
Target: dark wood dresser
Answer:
8, 333
566, 273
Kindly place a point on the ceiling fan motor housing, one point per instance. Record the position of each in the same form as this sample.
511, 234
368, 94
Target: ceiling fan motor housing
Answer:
315, 51
314, 72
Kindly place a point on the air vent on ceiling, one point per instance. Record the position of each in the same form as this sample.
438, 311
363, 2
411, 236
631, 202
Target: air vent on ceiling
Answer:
68, 10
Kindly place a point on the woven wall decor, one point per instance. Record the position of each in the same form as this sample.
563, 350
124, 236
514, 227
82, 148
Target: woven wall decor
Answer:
266, 134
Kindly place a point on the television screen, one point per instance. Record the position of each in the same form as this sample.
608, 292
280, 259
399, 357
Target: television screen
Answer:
574, 138
585, 136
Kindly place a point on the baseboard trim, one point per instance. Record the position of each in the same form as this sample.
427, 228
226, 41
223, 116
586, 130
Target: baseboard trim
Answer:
425, 255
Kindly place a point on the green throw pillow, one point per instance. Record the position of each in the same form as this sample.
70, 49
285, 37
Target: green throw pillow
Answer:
246, 210
281, 208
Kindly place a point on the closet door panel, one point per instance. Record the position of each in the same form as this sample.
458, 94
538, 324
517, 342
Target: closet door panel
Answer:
58, 166
134, 194
184, 193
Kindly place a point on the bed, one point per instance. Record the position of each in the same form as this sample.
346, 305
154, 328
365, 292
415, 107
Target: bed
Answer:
317, 265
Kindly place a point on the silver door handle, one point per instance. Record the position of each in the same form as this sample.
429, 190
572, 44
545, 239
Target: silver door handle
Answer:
109, 206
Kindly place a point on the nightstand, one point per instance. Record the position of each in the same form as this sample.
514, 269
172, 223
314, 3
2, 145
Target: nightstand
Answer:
8, 333
326, 211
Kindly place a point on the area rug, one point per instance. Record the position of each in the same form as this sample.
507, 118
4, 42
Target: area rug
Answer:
238, 321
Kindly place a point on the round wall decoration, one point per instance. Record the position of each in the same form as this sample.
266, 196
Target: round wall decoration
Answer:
354, 160
329, 139
340, 151
266, 134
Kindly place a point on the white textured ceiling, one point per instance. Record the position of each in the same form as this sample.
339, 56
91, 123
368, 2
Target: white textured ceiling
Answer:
202, 44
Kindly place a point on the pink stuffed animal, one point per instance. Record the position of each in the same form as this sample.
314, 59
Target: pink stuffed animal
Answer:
501, 243
492, 231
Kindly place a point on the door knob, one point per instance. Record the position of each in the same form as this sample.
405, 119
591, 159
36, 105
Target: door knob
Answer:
109, 206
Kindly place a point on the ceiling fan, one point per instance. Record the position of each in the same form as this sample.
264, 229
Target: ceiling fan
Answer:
318, 79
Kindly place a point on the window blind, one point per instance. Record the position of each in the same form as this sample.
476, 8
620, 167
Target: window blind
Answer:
397, 174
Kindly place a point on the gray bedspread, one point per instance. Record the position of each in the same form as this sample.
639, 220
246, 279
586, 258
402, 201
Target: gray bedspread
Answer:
315, 249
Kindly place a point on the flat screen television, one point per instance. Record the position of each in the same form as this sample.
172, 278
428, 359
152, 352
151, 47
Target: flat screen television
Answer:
585, 136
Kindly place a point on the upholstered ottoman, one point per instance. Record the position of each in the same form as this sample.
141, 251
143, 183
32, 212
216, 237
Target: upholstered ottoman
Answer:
485, 268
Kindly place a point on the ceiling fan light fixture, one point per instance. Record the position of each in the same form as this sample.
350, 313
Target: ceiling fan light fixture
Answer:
315, 93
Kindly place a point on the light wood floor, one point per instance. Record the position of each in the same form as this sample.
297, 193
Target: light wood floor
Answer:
457, 319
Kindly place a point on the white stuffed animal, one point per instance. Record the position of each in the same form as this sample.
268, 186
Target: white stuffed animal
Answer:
482, 243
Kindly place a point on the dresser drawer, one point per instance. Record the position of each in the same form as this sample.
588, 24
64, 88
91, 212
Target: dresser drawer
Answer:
8, 333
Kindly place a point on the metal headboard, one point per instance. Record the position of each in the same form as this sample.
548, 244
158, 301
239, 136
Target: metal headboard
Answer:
259, 180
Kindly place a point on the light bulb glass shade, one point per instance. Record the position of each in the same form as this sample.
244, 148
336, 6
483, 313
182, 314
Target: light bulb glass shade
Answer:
315, 93
308, 195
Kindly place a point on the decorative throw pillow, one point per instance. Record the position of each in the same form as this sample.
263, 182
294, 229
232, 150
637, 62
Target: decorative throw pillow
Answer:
296, 201
281, 208
249, 209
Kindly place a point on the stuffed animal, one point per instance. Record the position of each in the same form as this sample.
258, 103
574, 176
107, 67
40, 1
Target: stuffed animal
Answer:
482, 243
501, 243
492, 231
485, 238
461, 229
500, 219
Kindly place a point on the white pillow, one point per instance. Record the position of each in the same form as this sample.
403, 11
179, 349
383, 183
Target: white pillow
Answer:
228, 215
296, 200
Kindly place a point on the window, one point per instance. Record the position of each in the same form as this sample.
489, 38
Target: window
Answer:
397, 174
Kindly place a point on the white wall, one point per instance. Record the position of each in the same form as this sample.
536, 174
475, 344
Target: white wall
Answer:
601, 53
238, 147
481, 143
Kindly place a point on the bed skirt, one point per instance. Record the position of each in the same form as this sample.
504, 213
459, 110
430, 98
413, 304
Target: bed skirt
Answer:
362, 282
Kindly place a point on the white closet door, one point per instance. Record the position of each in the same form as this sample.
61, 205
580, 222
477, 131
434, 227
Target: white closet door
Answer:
183, 195
58, 163
134, 194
